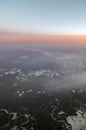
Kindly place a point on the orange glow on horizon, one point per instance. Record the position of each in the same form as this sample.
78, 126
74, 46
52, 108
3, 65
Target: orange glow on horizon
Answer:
79, 39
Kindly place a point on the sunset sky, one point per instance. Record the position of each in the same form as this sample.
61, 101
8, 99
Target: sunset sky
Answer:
45, 20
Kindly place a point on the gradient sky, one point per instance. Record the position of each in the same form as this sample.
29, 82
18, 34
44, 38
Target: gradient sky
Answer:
42, 17
48, 16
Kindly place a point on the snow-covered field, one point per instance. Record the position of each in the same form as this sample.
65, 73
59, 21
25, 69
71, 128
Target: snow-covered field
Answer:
78, 122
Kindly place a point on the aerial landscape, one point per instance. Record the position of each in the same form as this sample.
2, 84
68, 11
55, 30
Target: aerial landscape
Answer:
42, 65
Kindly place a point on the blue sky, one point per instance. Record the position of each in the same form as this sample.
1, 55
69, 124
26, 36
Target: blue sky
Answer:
43, 16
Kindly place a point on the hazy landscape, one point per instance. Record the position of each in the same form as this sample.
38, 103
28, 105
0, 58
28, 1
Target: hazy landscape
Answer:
43, 89
42, 64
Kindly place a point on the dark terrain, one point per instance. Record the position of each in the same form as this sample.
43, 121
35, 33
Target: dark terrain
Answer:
40, 89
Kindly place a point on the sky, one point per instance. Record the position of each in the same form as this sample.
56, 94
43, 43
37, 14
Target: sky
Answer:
42, 20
